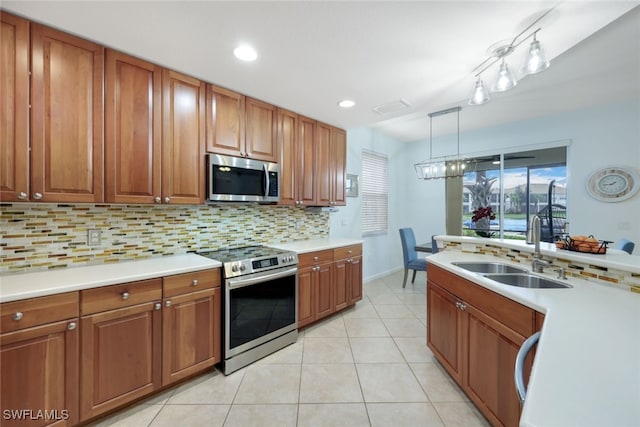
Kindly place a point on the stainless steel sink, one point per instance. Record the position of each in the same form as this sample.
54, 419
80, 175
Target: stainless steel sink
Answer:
489, 267
527, 281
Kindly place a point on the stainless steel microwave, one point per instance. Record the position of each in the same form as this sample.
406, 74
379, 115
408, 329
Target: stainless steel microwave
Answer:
235, 179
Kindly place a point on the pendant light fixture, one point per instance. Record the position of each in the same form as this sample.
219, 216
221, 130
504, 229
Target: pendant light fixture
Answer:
536, 60
506, 80
446, 166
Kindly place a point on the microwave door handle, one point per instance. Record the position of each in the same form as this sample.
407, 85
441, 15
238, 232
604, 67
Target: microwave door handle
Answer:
266, 180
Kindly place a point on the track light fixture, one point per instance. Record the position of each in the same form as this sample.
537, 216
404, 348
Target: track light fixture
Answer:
535, 62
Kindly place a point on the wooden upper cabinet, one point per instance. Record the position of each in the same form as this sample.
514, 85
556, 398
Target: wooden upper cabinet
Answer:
225, 121
183, 139
66, 117
306, 167
260, 135
338, 166
323, 165
14, 108
287, 130
240, 126
132, 129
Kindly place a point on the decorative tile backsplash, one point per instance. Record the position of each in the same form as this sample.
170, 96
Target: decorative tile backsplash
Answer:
593, 273
36, 237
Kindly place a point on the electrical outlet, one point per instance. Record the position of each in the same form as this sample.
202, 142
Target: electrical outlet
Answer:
298, 224
94, 237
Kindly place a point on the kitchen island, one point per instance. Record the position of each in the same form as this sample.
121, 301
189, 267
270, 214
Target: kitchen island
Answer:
585, 369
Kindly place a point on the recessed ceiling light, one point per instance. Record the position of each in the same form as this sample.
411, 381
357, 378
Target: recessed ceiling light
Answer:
346, 103
245, 53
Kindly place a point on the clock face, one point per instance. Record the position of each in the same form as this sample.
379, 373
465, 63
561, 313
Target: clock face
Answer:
613, 184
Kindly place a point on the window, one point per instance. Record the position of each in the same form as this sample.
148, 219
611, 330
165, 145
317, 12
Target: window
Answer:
375, 171
529, 183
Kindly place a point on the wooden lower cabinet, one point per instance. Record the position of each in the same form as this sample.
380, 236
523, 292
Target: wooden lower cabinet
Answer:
328, 281
191, 334
121, 357
476, 335
39, 372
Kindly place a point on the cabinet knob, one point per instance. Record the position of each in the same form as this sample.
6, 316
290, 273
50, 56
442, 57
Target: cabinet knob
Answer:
195, 282
349, 251
247, 155
37, 196
167, 303
125, 295
157, 200
315, 258
22, 196
157, 306
71, 326
17, 316
242, 154
167, 199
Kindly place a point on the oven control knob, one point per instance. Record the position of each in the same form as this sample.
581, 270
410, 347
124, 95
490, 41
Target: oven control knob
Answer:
243, 267
234, 268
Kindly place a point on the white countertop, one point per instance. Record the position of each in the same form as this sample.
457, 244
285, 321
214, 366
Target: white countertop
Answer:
586, 371
29, 285
614, 258
304, 246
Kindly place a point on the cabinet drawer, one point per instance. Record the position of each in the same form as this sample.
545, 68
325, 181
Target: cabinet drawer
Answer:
347, 252
312, 258
118, 296
191, 282
37, 311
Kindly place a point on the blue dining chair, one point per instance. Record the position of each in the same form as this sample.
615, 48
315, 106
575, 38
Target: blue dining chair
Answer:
411, 260
626, 245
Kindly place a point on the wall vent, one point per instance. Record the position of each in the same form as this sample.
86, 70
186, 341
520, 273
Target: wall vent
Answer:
392, 107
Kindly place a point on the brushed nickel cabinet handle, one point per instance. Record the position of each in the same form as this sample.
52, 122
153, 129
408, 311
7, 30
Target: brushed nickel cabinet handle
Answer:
71, 326
157, 306
125, 295
157, 200
37, 196
167, 199
22, 195
167, 303
195, 282
17, 316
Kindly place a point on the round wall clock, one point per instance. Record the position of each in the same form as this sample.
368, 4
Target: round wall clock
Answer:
613, 184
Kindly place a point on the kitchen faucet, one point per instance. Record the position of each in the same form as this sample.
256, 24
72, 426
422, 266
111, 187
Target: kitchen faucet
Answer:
533, 236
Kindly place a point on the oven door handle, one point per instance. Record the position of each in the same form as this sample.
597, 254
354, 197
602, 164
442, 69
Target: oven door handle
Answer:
263, 277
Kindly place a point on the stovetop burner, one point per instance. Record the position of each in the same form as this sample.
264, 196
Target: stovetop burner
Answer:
251, 259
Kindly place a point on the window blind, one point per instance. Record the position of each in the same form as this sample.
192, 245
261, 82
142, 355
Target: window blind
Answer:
375, 172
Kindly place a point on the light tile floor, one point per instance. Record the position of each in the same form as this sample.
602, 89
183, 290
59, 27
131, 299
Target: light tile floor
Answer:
366, 366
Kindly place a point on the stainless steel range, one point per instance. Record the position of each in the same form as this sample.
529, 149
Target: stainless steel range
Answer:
260, 306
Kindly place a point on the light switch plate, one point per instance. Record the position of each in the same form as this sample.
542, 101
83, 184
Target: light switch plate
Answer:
94, 237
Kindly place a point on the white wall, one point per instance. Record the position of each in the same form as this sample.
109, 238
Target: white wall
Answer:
381, 254
600, 136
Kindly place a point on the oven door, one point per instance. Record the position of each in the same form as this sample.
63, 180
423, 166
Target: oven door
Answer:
258, 308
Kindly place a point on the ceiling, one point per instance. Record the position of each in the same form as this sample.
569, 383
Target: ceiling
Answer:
312, 54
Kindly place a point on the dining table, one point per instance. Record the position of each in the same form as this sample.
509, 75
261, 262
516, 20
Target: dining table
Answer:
424, 247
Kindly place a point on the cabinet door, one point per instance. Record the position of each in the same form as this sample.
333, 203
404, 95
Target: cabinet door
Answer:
183, 133
121, 357
132, 129
39, 371
338, 166
260, 131
354, 278
342, 293
306, 305
225, 121
191, 334
490, 360
323, 165
14, 108
306, 168
445, 331
287, 147
66, 117
323, 276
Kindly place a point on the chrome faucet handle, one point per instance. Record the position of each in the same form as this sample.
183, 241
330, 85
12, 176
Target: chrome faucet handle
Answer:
562, 274
538, 265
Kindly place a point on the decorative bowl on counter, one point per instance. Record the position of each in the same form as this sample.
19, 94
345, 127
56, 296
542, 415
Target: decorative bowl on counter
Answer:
584, 244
